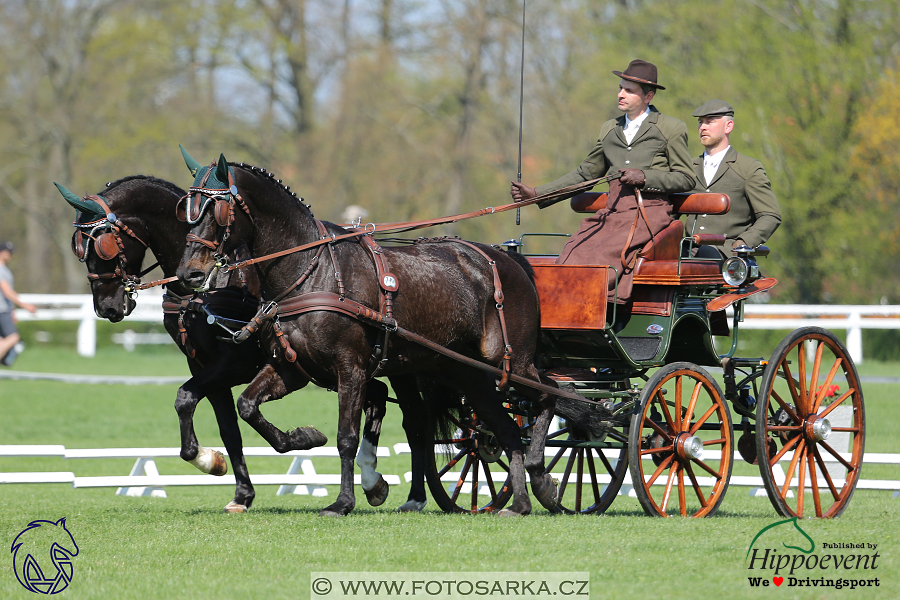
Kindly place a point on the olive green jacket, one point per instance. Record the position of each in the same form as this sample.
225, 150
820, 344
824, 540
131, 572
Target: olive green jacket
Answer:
659, 149
754, 213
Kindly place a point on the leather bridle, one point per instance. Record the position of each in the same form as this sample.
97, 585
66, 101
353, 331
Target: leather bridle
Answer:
104, 235
191, 206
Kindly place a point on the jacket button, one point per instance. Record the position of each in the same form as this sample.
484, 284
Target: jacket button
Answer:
629, 147
627, 162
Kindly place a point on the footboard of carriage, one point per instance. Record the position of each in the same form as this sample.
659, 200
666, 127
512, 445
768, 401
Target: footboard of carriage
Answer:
669, 412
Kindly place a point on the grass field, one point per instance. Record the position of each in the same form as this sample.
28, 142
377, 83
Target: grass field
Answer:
184, 547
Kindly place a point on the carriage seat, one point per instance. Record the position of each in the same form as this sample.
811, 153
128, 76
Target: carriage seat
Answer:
659, 262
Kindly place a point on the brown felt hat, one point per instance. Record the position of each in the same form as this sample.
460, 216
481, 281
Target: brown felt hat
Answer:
640, 71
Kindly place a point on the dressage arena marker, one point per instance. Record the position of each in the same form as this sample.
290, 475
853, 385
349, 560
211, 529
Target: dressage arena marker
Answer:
754, 481
144, 480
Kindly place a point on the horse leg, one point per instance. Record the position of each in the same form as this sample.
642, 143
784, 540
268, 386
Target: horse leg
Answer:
351, 395
414, 425
230, 432
542, 485
269, 385
487, 404
186, 400
373, 484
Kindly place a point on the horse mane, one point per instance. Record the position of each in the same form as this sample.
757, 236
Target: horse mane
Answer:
272, 180
150, 178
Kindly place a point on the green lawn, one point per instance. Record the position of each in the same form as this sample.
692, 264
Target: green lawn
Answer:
184, 547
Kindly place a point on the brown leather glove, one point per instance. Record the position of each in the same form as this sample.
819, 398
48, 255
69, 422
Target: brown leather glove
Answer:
632, 177
521, 192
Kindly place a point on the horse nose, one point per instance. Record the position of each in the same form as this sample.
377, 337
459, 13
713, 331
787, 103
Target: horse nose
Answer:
190, 276
111, 314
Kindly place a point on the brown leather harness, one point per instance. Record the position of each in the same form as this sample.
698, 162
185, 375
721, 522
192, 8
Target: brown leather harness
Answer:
108, 246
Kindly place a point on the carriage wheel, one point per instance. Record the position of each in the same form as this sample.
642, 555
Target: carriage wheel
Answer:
680, 448
589, 478
469, 471
815, 422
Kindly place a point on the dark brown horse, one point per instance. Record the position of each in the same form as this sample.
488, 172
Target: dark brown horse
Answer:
138, 213
443, 291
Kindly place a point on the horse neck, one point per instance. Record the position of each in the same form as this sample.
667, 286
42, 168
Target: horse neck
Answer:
279, 223
154, 207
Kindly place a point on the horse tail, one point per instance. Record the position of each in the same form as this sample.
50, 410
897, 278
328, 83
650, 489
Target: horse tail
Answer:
443, 404
522, 262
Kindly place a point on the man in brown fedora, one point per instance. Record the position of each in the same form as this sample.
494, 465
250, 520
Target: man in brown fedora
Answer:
650, 150
754, 214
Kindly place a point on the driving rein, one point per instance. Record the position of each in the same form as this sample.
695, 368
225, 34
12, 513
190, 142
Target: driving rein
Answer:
273, 311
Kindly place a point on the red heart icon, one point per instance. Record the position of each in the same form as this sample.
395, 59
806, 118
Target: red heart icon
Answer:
778, 580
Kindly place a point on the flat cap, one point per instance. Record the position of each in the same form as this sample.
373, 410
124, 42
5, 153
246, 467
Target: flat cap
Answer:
714, 108
7, 246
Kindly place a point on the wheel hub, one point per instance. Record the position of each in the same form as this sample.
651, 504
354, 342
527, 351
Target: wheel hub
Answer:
817, 428
689, 447
489, 448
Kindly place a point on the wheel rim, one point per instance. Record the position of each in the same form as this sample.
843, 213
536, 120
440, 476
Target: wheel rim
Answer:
589, 478
817, 423
681, 444
468, 471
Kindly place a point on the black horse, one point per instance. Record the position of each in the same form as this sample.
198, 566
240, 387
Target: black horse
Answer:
114, 229
445, 291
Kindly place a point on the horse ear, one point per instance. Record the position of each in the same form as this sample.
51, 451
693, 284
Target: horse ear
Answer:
222, 170
85, 206
192, 165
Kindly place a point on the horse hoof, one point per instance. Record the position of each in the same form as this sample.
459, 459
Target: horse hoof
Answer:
304, 438
546, 490
330, 513
233, 507
210, 461
378, 494
508, 513
412, 506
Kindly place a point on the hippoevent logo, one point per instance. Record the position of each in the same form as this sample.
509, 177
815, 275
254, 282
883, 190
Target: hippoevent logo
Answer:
784, 554
42, 556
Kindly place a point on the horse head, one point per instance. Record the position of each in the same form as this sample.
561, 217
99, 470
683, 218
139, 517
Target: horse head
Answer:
221, 206
217, 225
112, 233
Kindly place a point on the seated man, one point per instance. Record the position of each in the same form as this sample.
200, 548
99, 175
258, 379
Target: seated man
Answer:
650, 151
754, 213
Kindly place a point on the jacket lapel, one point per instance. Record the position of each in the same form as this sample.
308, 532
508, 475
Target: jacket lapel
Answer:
730, 156
651, 119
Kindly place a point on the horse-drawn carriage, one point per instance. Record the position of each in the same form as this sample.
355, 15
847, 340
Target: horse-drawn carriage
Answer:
668, 433
641, 412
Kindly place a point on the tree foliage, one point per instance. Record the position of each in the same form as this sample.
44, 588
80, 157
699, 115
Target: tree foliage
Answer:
409, 108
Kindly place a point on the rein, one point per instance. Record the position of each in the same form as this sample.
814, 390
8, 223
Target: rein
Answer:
399, 227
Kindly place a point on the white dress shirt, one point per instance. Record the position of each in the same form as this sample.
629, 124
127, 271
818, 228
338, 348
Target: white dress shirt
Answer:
631, 127
711, 164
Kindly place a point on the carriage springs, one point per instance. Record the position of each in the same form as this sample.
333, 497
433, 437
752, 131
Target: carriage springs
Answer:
778, 564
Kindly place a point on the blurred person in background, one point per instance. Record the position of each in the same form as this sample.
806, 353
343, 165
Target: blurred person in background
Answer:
10, 346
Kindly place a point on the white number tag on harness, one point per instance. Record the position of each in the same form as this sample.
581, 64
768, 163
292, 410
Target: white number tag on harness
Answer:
389, 282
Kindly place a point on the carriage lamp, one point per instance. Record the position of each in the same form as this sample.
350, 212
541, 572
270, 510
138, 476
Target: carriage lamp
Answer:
740, 269
511, 245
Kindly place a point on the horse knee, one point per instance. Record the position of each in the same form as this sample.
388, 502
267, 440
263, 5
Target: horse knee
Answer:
185, 402
246, 408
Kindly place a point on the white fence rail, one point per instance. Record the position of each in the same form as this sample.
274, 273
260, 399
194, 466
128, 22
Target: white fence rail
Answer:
852, 318
144, 479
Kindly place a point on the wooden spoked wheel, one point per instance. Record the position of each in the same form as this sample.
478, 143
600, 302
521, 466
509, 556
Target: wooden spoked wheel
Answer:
811, 406
680, 449
469, 471
588, 478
